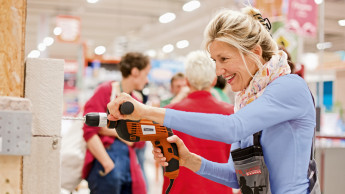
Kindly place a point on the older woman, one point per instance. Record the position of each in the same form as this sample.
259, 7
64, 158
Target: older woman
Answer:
272, 130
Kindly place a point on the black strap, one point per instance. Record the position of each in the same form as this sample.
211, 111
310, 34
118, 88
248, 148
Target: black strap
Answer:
256, 138
312, 153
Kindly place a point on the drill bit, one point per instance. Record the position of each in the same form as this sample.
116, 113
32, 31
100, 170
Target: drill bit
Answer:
74, 118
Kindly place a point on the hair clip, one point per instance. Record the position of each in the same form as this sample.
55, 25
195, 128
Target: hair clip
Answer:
264, 21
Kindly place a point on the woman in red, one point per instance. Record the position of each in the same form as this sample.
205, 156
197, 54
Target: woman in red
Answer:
201, 77
110, 165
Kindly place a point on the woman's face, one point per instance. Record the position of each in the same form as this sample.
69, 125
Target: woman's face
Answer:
229, 65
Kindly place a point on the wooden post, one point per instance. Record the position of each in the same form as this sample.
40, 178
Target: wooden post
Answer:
12, 43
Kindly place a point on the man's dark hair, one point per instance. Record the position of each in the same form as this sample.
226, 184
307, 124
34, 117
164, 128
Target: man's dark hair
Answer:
133, 60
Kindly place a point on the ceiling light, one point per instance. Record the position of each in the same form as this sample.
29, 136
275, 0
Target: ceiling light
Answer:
182, 44
318, 1
151, 53
48, 41
100, 50
92, 1
341, 22
41, 47
168, 48
34, 54
57, 31
167, 17
191, 5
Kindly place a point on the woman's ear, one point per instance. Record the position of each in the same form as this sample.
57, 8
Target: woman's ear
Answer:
135, 72
257, 50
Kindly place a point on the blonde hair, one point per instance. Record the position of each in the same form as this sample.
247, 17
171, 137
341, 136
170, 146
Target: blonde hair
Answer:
242, 30
200, 70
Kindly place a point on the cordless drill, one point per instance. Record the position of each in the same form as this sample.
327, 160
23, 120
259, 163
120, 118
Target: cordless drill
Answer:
141, 130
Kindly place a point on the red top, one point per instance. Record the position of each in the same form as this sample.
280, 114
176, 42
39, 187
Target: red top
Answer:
98, 103
187, 181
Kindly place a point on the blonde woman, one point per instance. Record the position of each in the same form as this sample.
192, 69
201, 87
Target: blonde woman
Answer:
272, 129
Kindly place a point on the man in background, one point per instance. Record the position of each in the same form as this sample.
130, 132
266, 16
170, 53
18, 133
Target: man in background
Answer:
177, 82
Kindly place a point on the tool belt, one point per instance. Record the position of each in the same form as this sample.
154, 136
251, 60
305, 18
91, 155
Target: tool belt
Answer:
252, 174
251, 171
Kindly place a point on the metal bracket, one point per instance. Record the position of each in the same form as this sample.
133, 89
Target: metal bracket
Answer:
15, 132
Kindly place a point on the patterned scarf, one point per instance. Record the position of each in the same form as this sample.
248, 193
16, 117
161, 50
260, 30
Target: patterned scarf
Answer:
271, 70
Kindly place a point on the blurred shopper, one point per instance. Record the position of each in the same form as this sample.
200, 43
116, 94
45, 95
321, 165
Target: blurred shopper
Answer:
177, 82
111, 165
218, 90
272, 129
200, 77
289, 60
295, 69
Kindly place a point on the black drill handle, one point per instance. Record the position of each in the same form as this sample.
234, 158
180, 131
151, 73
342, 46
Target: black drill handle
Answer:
125, 108
170, 151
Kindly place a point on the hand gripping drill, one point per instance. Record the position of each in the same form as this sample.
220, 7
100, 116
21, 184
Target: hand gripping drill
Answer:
141, 130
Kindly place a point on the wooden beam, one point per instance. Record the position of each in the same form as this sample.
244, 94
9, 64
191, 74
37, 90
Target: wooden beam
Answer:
12, 43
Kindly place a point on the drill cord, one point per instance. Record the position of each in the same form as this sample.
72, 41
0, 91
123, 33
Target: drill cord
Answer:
170, 185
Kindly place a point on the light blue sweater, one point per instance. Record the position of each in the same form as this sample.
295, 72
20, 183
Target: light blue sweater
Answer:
286, 114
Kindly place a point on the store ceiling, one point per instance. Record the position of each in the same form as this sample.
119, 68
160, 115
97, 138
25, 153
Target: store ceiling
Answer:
133, 25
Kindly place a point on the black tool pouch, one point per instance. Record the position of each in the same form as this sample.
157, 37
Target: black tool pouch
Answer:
251, 171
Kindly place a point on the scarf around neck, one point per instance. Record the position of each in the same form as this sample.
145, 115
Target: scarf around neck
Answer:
277, 66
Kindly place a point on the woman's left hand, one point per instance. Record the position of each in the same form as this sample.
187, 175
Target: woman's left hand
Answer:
114, 105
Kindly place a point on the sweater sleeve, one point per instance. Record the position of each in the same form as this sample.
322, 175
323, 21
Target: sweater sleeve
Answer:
284, 99
223, 173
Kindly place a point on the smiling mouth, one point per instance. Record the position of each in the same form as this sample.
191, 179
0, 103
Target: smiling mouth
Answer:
230, 78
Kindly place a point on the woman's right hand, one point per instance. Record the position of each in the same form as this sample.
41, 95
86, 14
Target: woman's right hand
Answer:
186, 158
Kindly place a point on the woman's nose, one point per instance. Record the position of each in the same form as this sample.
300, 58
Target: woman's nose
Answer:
219, 71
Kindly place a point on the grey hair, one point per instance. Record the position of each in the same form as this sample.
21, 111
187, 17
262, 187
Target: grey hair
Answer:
200, 70
243, 31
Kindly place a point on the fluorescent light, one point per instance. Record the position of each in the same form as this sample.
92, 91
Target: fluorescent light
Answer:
191, 5
151, 53
168, 48
48, 41
100, 50
34, 54
323, 45
182, 44
167, 17
318, 1
41, 47
57, 31
341, 22
92, 1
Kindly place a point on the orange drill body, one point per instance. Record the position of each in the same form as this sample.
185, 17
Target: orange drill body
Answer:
146, 130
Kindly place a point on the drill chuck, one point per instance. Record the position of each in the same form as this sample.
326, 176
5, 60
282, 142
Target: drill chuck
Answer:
96, 119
